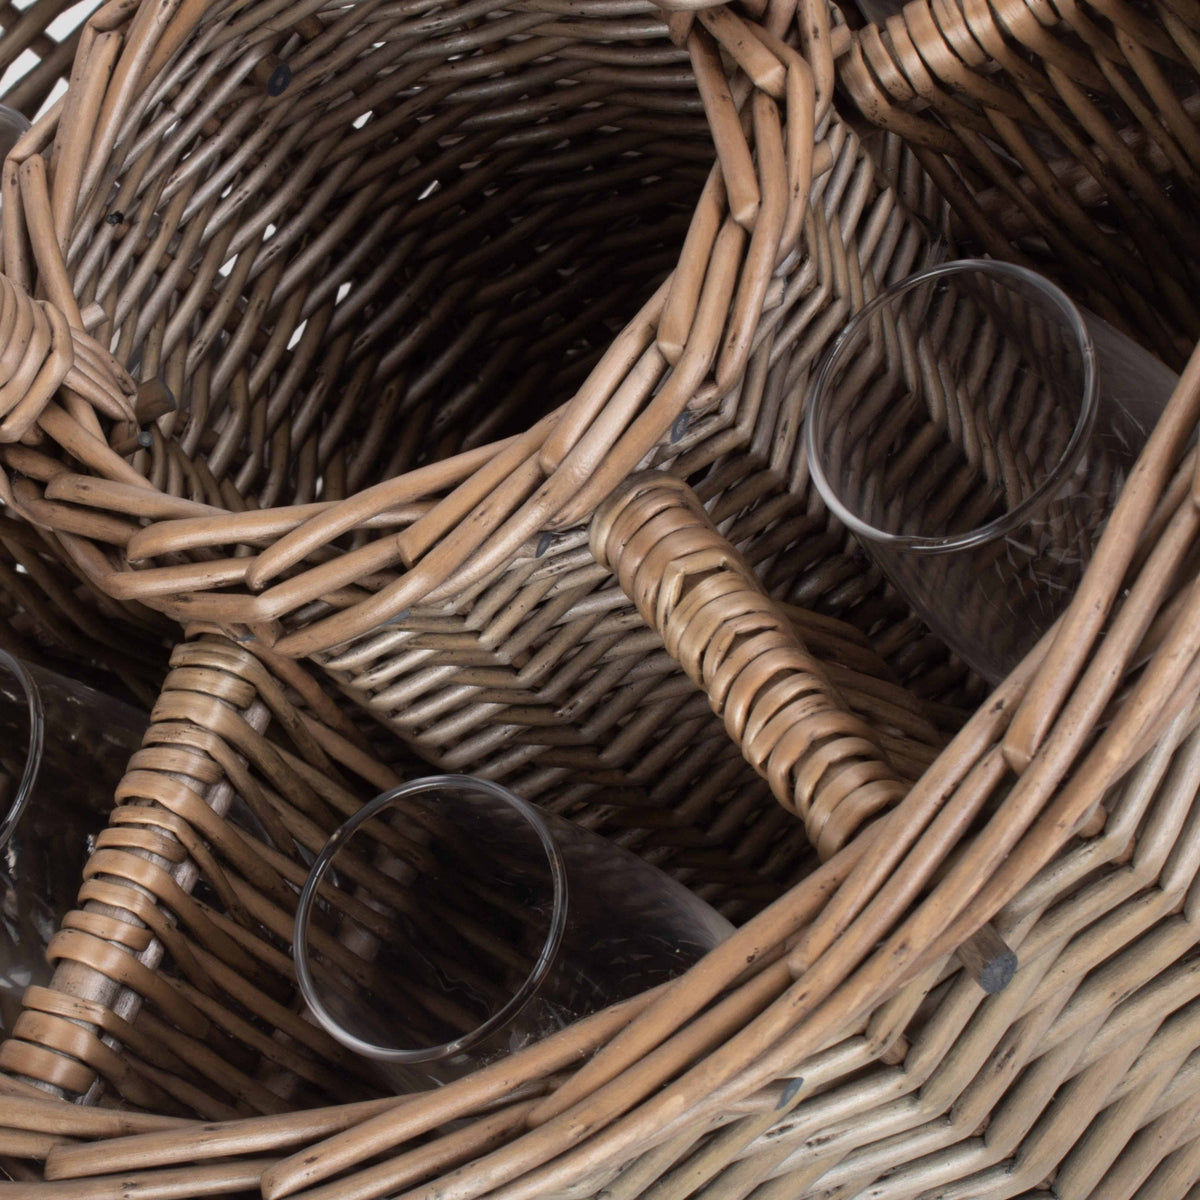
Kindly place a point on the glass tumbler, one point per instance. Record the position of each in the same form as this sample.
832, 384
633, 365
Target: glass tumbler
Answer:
449, 923
63, 749
973, 427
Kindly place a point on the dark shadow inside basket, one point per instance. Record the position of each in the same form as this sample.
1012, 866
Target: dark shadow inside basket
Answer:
421, 244
423, 241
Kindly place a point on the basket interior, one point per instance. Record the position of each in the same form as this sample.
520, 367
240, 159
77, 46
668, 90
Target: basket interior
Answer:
362, 240
357, 241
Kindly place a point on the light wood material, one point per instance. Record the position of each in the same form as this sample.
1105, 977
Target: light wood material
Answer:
825, 764
396, 481
1056, 1019
354, 373
827, 760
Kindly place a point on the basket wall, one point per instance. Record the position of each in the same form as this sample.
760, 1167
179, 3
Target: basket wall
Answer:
1082, 1072
834, 1047
1065, 137
358, 246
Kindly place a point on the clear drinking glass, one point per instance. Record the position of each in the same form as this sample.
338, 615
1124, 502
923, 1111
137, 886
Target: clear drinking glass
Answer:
973, 427
449, 923
63, 749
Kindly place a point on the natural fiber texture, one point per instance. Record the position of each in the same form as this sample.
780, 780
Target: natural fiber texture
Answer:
839, 1045
40, 40
1064, 136
370, 251
174, 987
781, 704
830, 1048
50, 612
178, 878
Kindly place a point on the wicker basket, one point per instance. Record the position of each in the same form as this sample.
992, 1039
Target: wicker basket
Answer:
1063, 135
50, 612
355, 249
178, 955
840, 1044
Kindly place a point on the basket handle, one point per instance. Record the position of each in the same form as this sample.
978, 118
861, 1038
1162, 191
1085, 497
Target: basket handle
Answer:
779, 703
823, 763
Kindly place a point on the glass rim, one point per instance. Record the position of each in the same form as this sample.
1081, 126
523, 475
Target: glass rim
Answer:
981, 534
520, 997
33, 756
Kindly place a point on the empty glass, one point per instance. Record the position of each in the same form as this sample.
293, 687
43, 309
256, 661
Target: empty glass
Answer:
63, 749
449, 923
973, 428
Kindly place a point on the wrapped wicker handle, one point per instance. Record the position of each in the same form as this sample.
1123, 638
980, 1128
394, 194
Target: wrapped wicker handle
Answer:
779, 704
823, 763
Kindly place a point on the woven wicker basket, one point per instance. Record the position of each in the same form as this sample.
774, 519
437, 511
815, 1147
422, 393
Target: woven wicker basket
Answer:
1063, 135
357, 248
50, 612
840, 1045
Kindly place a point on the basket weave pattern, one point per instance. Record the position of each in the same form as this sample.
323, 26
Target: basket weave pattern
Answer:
1063, 135
369, 253
299, 497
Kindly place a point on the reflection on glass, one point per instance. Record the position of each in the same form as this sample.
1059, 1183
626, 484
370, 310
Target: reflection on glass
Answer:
974, 428
449, 923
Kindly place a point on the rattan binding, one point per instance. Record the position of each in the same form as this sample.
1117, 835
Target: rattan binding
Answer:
840, 1044
401, 369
